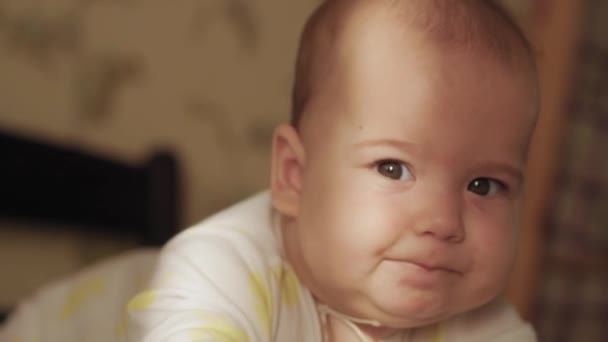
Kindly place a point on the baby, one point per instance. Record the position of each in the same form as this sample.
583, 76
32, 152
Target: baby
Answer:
395, 191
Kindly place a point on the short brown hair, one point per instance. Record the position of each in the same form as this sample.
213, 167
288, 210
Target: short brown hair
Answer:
479, 24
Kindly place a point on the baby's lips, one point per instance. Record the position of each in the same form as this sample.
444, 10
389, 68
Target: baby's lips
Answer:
431, 267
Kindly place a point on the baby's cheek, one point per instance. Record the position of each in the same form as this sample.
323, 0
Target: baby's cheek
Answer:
484, 281
494, 236
360, 245
494, 260
372, 237
364, 226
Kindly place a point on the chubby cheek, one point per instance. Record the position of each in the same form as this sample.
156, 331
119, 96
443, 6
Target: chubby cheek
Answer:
353, 224
494, 254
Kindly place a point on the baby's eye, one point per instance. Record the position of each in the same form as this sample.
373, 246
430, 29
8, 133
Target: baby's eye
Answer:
485, 186
394, 170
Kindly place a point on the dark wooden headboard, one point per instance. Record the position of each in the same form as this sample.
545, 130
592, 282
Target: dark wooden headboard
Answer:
47, 182
54, 187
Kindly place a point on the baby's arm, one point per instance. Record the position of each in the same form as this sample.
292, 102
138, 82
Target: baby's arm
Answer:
205, 288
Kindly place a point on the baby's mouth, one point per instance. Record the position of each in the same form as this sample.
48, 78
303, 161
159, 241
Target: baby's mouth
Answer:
428, 267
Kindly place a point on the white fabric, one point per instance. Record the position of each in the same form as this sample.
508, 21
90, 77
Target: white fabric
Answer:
226, 280
85, 307
351, 322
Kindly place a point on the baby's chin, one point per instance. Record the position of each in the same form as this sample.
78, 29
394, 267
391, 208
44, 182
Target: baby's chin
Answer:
402, 314
416, 309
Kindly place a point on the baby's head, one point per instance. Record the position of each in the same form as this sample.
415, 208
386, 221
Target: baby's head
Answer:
400, 178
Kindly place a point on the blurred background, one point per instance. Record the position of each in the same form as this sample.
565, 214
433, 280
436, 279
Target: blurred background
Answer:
174, 105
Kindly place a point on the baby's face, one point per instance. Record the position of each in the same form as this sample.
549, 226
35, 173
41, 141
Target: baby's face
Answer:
413, 182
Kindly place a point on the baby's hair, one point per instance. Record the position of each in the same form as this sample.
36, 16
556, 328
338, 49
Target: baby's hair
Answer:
480, 25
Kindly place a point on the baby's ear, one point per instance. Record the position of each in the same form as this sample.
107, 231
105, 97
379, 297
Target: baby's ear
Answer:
288, 158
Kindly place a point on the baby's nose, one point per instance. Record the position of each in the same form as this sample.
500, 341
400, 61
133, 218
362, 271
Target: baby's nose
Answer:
441, 218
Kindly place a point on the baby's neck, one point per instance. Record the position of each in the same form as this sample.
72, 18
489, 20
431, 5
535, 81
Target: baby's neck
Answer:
339, 327
338, 331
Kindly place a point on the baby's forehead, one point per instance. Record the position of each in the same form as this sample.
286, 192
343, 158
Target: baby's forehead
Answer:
476, 25
343, 31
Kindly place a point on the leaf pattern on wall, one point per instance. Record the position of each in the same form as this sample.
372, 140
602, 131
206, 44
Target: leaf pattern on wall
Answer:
238, 13
99, 80
258, 133
214, 115
40, 38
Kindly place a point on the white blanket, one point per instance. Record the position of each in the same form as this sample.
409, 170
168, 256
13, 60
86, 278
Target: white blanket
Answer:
86, 307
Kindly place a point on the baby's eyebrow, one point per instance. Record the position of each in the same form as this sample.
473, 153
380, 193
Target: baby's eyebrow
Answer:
399, 144
502, 167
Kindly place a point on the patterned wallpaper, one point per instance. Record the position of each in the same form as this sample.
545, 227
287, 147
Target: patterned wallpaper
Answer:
209, 79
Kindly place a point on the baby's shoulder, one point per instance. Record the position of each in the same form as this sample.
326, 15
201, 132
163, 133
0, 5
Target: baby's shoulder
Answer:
242, 233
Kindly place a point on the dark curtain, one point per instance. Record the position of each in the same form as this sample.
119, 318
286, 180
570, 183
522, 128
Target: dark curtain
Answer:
573, 296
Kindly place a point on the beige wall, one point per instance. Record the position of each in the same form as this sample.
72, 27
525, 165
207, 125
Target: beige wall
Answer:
208, 78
